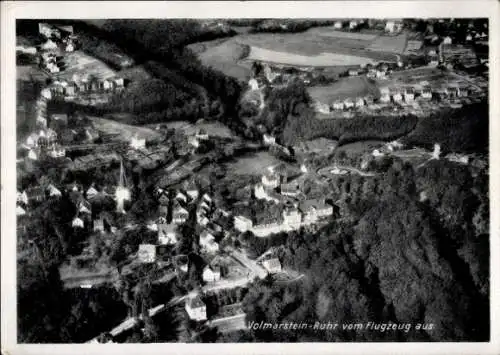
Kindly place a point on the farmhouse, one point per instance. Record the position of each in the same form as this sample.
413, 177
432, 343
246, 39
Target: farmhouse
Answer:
272, 265
196, 308
211, 273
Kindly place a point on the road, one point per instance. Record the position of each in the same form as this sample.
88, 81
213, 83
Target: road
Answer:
230, 324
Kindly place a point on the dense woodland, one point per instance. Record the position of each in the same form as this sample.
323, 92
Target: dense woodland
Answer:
392, 256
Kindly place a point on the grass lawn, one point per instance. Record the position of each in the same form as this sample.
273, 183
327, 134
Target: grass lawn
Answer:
344, 88
125, 131
252, 164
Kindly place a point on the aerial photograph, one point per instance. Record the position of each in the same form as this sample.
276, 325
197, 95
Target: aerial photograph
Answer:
252, 180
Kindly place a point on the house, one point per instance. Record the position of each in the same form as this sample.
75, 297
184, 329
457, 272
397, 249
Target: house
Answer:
146, 253
314, 209
202, 220
321, 107
291, 216
353, 24
119, 83
46, 93
22, 197
193, 141
32, 154
137, 143
353, 72
384, 97
49, 45
70, 47
463, 91
181, 197
468, 38
447, 40
337, 25
204, 206
268, 139
20, 211
77, 222
409, 95
379, 74
191, 189
338, 105
359, 102
70, 89
196, 308
290, 189
397, 96
208, 243
253, 84
270, 180
91, 193
272, 265
242, 223
211, 273
202, 135
99, 225
369, 100
426, 93
53, 191
348, 103
180, 215
167, 234
181, 263
84, 206
107, 84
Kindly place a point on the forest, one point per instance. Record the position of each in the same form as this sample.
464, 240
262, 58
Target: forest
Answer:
392, 256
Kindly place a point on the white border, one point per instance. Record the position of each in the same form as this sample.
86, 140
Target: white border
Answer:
264, 9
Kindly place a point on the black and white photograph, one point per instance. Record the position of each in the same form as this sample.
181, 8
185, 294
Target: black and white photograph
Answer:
251, 180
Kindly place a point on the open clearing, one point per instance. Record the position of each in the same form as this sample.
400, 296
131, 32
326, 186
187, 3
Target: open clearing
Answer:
78, 62
316, 47
361, 146
393, 44
344, 88
253, 164
321, 60
125, 131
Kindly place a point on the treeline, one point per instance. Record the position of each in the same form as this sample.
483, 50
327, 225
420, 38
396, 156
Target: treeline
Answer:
164, 41
464, 130
391, 257
288, 26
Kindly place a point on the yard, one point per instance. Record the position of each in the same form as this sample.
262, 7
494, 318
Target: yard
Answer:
82, 65
344, 88
125, 131
253, 164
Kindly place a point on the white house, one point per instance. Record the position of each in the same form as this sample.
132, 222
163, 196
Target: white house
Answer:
49, 45
272, 265
91, 192
360, 102
20, 211
57, 152
447, 40
146, 253
193, 141
22, 197
353, 24
348, 103
167, 234
32, 155
353, 72
409, 95
181, 196
77, 222
242, 223
337, 25
397, 96
270, 180
426, 93
202, 135
53, 191
389, 26
292, 217
46, 93
70, 47
208, 243
180, 215
291, 189
137, 143
211, 273
338, 105
254, 85
196, 308
268, 139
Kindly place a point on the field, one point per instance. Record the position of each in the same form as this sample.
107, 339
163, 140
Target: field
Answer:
361, 146
125, 131
254, 164
393, 44
322, 47
223, 55
78, 62
320, 60
345, 87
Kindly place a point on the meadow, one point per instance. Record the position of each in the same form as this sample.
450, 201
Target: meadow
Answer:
344, 88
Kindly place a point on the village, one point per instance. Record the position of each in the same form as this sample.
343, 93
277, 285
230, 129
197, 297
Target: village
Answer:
195, 225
